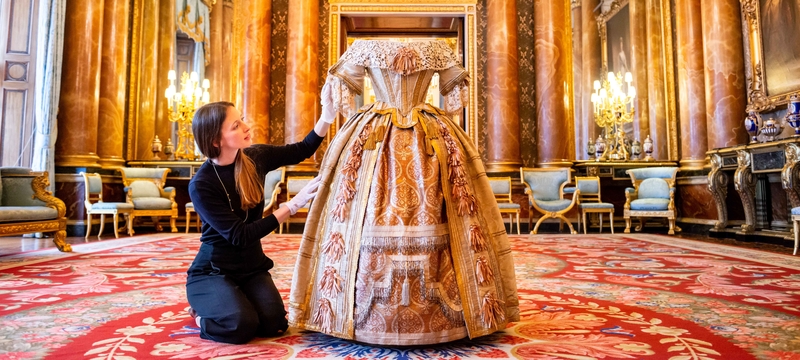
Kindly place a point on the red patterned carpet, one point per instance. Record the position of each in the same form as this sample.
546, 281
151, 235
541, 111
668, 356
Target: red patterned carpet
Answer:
582, 297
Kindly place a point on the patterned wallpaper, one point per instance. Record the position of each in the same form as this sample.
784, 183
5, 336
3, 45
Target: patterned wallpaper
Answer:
280, 13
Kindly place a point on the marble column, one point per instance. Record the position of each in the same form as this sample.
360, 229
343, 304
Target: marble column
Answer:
592, 63
555, 143
581, 126
502, 96
639, 64
80, 85
216, 52
255, 20
724, 73
166, 62
691, 84
149, 94
302, 74
113, 83
656, 81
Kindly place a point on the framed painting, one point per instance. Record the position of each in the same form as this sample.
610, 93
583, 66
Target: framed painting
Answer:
774, 51
617, 44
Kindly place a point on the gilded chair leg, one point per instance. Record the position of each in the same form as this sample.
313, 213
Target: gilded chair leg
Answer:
583, 215
156, 223
172, 220
58, 239
198, 223
671, 227
116, 223
88, 226
536, 228
131, 220
796, 235
188, 220
518, 230
641, 224
611, 221
569, 223
627, 225
601, 221
102, 224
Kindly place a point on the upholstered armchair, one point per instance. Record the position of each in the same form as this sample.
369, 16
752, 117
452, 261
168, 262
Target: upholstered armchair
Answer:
27, 207
144, 188
94, 204
652, 195
545, 189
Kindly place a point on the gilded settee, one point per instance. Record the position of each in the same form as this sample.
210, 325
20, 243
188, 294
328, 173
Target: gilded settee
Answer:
27, 207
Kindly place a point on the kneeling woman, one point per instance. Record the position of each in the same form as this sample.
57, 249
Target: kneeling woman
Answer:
229, 287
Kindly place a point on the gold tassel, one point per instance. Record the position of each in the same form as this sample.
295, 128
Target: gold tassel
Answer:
334, 247
370, 144
330, 284
483, 271
405, 296
491, 310
323, 317
380, 133
476, 239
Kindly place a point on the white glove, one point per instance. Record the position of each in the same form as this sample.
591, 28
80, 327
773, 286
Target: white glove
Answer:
304, 196
328, 114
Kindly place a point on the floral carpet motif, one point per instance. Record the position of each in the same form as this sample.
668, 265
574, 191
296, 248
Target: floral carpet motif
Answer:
581, 297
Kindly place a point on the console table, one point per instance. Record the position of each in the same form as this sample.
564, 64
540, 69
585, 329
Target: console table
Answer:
747, 162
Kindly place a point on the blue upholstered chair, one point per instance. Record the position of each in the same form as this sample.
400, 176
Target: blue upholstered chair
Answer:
272, 187
189, 210
545, 189
590, 202
293, 185
144, 189
93, 201
501, 187
796, 221
652, 195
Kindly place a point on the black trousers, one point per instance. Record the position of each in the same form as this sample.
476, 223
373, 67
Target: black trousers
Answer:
234, 310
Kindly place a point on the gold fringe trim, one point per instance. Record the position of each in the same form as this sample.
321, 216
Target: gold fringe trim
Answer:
491, 310
331, 283
334, 247
347, 187
465, 201
476, 238
323, 317
483, 271
405, 61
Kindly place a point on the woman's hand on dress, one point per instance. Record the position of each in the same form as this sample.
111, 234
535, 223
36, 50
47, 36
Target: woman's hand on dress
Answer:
303, 196
328, 115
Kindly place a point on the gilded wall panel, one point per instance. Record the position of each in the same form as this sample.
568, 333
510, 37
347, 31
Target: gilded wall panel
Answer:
527, 106
280, 36
480, 79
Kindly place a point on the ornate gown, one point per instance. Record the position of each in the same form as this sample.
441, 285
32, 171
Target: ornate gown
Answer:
404, 244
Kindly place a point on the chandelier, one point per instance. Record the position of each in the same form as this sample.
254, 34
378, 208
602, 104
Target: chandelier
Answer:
182, 105
613, 107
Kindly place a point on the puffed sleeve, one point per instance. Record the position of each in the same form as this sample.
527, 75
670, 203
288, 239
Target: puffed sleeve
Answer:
454, 86
345, 81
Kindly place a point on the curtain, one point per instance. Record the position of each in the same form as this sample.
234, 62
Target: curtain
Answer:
193, 20
50, 43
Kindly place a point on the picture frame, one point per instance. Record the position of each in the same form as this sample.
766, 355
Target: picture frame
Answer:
771, 64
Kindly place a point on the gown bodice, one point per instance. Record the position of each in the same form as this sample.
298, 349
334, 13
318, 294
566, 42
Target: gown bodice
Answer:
400, 73
400, 91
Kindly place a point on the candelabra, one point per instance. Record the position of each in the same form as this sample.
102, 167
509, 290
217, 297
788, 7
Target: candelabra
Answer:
613, 107
182, 105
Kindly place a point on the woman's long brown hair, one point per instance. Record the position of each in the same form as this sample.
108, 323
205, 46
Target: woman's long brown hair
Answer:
207, 130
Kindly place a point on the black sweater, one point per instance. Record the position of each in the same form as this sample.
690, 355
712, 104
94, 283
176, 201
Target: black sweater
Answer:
229, 244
